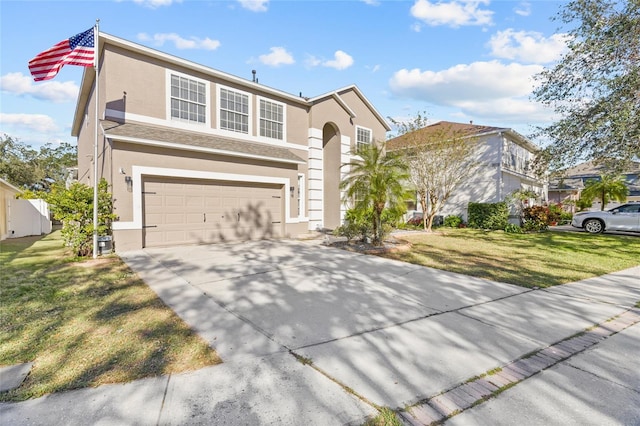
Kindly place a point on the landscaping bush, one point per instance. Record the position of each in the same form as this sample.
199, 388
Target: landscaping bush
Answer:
566, 217
488, 215
415, 221
452, 221
512, 228
74, 208
538, 218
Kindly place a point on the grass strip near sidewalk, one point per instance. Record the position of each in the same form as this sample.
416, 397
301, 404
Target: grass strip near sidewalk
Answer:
85, 323
529, 260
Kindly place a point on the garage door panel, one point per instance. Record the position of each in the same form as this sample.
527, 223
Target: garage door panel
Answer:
182, 211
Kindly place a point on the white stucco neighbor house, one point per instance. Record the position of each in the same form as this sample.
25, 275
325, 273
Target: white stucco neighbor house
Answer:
21, 218
503, 157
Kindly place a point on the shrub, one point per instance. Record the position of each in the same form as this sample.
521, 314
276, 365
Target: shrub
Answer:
512, 228
415, 221
357, 224
488, 215
538, 218
74, 208
566, 216
452, 221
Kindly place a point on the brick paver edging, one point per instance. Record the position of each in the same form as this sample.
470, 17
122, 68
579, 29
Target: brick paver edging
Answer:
477, 390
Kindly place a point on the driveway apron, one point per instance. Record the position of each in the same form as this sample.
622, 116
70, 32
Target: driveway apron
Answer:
392, 332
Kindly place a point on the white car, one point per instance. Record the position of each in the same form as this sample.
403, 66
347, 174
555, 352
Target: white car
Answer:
622, 218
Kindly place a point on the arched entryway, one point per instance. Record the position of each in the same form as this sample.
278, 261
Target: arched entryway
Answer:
331, 175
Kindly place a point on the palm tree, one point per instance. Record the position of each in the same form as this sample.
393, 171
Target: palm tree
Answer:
608, 187
375, 180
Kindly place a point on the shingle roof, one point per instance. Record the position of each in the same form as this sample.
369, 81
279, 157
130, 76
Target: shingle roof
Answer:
186, 140
590, 168
447, 129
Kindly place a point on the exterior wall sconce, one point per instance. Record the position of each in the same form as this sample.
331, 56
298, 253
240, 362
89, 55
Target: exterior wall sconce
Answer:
292, 190
129, 181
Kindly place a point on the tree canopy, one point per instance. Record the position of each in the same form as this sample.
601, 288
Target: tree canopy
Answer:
440, 160
595, 87
25, 167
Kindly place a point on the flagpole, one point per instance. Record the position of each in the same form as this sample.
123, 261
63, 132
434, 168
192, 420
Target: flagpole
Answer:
96, 44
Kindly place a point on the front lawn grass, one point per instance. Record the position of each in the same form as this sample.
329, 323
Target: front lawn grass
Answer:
529, 260
85, 323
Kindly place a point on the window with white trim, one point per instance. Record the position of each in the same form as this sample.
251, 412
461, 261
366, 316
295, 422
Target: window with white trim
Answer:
271, 119
363, 137
188, 99
234, 110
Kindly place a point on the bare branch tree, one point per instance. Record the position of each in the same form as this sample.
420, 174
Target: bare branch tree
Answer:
440, 160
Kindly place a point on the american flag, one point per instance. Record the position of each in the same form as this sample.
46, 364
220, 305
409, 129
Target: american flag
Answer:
77, 50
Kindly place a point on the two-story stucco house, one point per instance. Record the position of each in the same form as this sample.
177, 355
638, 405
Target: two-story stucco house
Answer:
502, 159
195, 155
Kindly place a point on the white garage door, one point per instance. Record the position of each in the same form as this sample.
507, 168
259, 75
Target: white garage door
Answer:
182, 211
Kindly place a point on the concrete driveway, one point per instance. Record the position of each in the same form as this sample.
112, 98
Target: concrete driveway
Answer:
394, 333
315, 335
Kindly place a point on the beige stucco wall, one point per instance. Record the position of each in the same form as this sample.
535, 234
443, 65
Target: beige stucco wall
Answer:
134, 87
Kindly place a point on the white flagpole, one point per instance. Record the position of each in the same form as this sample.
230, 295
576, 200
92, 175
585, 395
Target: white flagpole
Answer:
96, 47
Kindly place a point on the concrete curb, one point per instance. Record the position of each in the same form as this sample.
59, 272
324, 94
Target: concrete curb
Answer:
477, 390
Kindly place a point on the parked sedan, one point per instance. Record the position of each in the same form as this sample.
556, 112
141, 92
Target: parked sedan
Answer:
622, 218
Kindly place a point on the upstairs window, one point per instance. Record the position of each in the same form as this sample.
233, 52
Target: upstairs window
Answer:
271, 119
363, 137
234, 111
188, 99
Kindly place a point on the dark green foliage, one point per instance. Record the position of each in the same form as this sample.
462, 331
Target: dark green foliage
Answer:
33, 169
74, 208
488, 215
357, 224
375, 183
512, 228
538, 218
452, 221
594, 87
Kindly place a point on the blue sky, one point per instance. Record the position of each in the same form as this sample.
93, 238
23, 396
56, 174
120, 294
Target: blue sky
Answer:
455, 60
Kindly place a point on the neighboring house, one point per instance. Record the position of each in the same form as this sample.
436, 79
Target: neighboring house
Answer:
195, 155
21, 218
503, 157
566, 189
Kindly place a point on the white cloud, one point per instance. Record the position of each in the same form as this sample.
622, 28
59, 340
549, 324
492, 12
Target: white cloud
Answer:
453, 13
55, 91
278, 56
523, 9
254, 5
153, 4
33, 122
371, 2
527, 46
311, 61
481, 89
181, 43
341, 61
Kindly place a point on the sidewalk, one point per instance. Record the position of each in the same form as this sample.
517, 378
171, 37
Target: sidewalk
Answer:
314, 335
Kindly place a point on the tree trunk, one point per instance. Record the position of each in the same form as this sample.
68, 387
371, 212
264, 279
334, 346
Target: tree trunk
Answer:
423, 204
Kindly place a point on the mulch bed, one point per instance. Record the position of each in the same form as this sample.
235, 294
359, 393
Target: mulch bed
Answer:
390, 245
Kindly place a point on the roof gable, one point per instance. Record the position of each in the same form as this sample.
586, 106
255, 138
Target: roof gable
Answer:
88, 79
452, 130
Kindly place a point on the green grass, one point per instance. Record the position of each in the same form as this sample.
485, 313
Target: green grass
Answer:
385, 417
85, 323
529, 260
